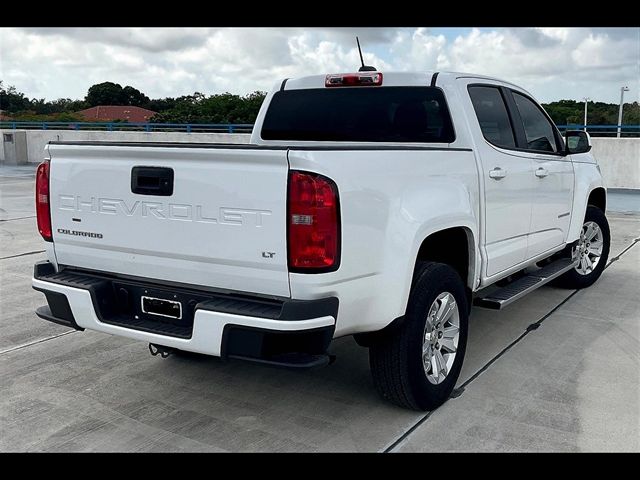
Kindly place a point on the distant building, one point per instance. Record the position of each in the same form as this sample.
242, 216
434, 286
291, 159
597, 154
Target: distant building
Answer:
111, 113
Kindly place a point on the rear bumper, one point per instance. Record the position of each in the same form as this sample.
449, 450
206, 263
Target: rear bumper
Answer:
223, 325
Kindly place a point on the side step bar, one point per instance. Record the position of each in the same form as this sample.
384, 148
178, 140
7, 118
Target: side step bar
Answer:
504, 296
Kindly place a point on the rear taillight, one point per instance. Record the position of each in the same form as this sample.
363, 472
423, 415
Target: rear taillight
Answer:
353, 80
313, 222
43, 212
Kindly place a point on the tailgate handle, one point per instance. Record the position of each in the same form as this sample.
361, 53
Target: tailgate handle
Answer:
152, 181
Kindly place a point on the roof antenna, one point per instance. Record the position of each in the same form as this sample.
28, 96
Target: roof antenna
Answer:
364, 68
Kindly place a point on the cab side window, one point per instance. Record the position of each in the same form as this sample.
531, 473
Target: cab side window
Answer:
538, 130
491, 111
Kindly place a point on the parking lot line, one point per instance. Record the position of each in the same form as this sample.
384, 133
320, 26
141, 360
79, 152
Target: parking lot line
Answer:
35, 342
460, 390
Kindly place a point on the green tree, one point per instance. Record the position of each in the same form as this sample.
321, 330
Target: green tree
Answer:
220, 108
11, 100
133, 96
68, 105
109, 93
31, 116
598, 113
631, 113
161, 104
105, 93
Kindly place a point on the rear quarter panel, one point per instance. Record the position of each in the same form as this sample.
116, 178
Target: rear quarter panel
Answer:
390, 201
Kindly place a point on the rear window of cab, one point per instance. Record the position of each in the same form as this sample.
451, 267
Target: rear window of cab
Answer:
359, 114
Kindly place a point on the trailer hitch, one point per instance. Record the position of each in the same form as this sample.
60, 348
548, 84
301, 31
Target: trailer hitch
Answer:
161, 350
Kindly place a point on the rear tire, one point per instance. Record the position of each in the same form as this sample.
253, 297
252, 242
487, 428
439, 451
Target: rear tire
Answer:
406, 363
583, 276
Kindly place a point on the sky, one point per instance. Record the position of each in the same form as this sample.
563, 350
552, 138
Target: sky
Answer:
551, 63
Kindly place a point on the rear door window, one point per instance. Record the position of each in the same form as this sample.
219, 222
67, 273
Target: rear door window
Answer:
492, 114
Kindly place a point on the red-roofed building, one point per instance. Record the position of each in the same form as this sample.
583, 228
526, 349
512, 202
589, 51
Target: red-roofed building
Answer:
110, 113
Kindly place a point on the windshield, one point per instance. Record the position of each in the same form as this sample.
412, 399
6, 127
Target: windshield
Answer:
359, 114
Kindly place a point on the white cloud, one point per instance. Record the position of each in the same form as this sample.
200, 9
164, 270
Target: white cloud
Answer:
552, 63
312, 56
419, 50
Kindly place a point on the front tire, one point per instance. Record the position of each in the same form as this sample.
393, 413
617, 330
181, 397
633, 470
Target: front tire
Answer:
592, 250
417, 364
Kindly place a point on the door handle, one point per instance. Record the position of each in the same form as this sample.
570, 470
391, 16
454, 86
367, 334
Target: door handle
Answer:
152, 181
542, 172
497, 173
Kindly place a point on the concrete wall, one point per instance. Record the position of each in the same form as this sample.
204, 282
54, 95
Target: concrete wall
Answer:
37, 139
13, 149
619, 158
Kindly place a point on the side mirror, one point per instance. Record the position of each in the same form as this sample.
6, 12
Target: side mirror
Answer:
577, 141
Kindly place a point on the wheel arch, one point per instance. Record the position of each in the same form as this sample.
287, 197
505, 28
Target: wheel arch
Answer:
598, 198
589, 190
454, 246
463, 258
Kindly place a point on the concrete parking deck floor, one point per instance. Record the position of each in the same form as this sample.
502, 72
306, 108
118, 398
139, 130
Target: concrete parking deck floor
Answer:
571, 384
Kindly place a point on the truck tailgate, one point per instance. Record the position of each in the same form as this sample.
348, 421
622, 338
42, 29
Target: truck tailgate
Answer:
223, 225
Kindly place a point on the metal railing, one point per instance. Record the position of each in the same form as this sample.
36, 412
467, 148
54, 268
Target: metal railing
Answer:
132, 127
594, 130
604, 130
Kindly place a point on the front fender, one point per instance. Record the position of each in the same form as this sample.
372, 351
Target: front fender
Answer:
587, 179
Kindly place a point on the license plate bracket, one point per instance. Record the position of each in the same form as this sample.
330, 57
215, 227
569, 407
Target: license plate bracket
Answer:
161, 307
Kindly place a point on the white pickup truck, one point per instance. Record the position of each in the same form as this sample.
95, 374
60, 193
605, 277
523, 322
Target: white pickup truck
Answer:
374, 204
